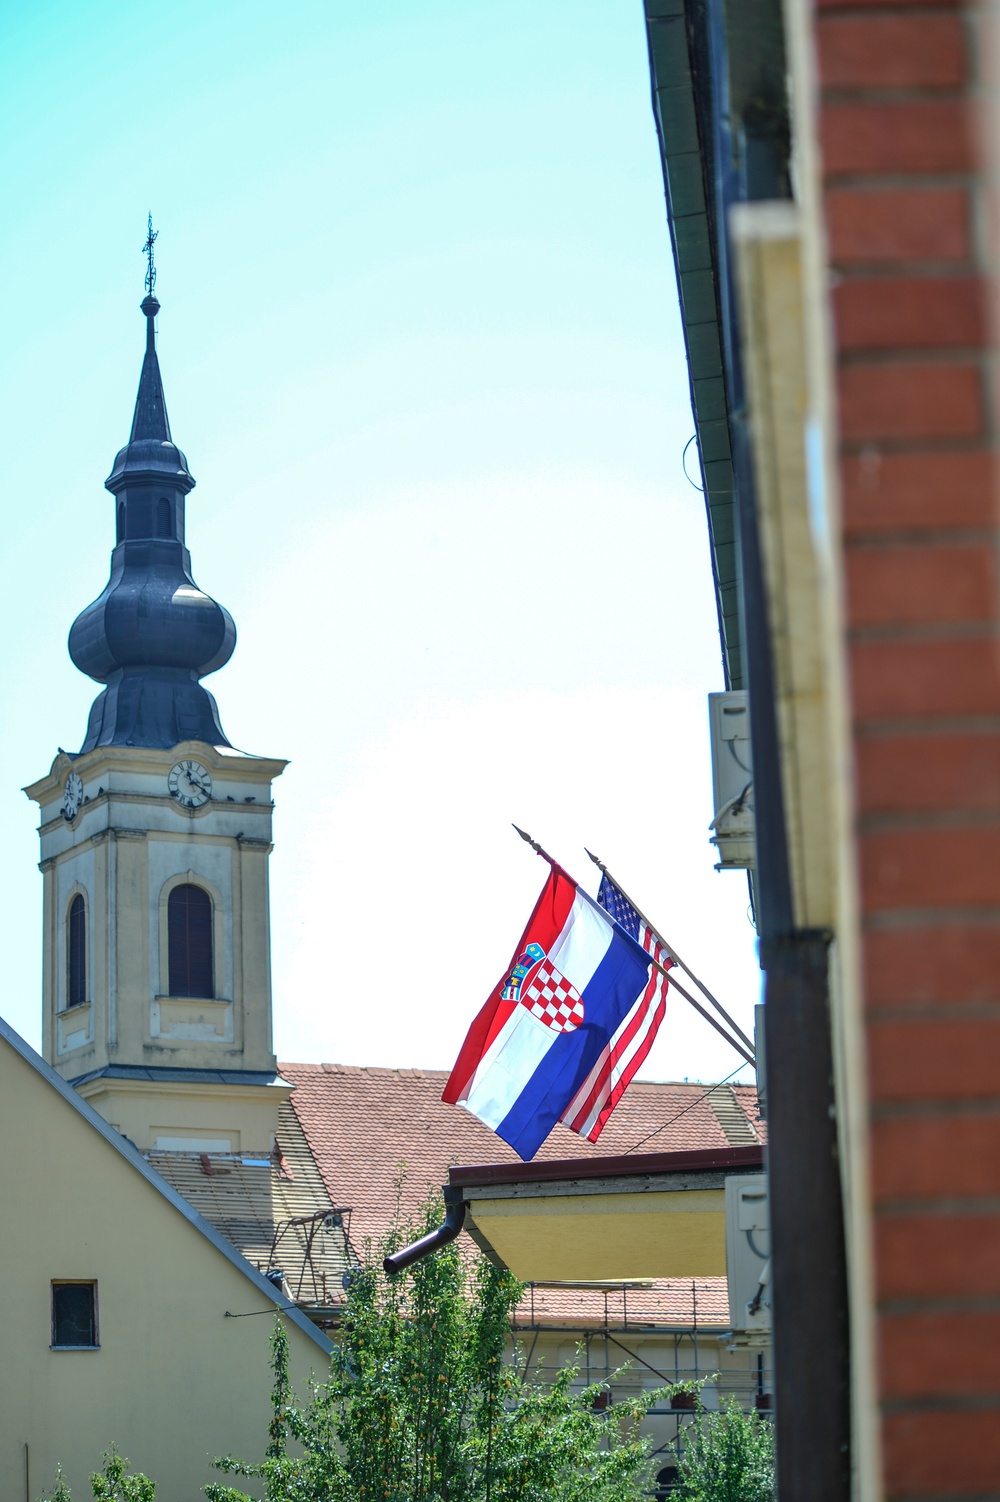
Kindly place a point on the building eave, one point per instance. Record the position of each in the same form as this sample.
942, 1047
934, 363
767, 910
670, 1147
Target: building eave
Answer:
656, 1215
690, 216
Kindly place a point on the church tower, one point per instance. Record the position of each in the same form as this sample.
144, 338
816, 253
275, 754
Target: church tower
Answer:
155, 838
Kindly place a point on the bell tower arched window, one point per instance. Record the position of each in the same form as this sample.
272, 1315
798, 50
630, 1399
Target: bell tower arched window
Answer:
76, 953
164, 520
189, 942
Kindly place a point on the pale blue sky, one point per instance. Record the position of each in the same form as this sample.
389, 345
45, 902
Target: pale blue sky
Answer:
420, 344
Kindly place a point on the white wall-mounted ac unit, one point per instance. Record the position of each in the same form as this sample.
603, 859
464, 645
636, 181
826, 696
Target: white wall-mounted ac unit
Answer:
748, 1252
732, 780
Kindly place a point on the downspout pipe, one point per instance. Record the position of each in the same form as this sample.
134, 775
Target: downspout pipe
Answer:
454, 1220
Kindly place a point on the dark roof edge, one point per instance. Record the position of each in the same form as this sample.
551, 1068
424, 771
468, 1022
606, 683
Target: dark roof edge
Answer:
122, 1146
624, 1166
175, 1076
691, 297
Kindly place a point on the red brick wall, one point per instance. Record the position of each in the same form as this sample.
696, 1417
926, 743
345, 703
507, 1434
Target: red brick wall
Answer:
904, 199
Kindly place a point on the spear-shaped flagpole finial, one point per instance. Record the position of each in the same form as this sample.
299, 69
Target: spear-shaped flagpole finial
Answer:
747, 1051
147, 250
540, 850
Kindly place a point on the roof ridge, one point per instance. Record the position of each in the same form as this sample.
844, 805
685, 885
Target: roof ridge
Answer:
378, 1069
325, 1067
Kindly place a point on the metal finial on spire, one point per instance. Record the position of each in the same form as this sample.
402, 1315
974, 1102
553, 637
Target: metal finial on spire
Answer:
147, 250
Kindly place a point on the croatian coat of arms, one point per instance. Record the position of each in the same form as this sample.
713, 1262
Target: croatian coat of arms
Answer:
536, 983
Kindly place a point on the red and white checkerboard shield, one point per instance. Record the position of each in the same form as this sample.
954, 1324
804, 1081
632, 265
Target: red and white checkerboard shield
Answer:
551, 998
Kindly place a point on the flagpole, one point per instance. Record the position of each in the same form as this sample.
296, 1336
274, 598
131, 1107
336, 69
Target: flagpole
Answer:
663, 970
673, 953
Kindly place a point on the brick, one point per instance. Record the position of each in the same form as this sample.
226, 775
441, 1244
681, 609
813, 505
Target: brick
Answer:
941, 1452
938, 1257
888, 492
897, 225
933, 135
930, 868
888, 52
925, 678
947, 1155
906, 585
910, 313
939, 1355
910, 400
917, 773
920, 1059
936, 963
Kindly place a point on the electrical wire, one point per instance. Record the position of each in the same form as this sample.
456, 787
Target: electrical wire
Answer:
275, 1309
690, 1107
699, 488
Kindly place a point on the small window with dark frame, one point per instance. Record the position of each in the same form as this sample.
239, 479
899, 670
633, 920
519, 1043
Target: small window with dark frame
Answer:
74, 1316
190, 960
76, 953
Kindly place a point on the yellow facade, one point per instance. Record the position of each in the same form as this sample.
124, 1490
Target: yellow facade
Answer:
185, 1116
174, 1382
611, 1236
123, 848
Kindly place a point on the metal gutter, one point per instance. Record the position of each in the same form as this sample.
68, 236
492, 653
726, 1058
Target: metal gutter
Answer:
696, 1160
454, 1220
690, 216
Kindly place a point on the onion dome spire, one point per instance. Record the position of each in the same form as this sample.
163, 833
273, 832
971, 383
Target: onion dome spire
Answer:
152, 634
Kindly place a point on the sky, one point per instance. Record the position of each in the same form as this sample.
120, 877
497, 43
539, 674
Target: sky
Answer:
420, 343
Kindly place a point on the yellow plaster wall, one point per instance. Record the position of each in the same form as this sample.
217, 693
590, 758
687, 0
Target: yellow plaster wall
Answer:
124, 849
174, 1381
246, 1115
676, 1234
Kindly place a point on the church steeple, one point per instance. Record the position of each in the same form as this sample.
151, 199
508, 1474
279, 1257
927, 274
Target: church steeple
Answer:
152, 634
150, 418
155, 841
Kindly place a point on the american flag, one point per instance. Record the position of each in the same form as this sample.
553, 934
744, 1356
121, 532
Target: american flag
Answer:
588, 1111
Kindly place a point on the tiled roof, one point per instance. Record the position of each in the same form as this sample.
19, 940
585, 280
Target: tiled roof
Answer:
364, 1125
269, 1209
379, 1135
685, 1302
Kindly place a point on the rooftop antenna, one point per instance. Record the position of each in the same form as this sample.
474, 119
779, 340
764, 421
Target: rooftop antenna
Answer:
147, 250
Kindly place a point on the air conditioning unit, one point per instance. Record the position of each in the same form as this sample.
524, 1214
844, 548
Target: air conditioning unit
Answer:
732, 780
748, 1252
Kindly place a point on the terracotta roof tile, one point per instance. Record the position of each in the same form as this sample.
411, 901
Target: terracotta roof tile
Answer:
256, 1206
685, 1302
381, 1134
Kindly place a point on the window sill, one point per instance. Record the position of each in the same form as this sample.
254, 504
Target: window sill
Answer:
195, 1001
76, 1010
74, 1348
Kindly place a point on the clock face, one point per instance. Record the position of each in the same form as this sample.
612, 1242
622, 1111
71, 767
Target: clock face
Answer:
190, 783
72, 796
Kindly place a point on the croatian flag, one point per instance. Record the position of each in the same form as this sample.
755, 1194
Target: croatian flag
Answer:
565, 1029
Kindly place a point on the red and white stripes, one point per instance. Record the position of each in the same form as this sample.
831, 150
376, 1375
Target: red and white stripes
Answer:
588, 1112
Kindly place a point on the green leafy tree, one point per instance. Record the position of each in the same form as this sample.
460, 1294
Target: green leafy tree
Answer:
421, 1404
728, 1456
62, 1492
114, 1483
